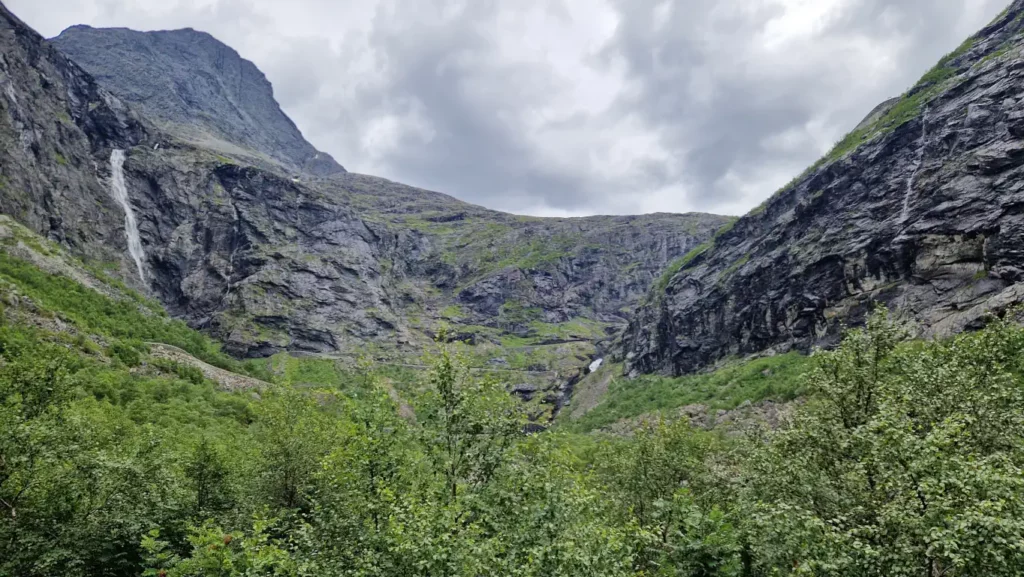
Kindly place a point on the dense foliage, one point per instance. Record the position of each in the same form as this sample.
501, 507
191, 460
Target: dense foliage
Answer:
905, 459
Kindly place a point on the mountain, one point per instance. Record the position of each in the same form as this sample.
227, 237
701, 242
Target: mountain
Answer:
237, 243
919, 208
916, 208
198, 88
133, 444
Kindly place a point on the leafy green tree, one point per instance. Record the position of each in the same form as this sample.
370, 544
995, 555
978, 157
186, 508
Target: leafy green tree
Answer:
34, 442
545, 515
468, 426
678, 514
364, 487
207, 476
907, 461
293, 433
218, 553
78, 480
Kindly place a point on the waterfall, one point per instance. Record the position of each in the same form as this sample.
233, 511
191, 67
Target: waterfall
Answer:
131, 227
905, 213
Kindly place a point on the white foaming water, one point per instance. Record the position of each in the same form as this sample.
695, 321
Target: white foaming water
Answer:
596, 365
905, 213
131, 227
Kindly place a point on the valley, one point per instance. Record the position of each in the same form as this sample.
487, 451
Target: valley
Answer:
223, 353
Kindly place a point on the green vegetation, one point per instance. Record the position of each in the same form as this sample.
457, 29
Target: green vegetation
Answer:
60, 159
513, 313
95, 313
305, 371
909, 106
577, 328
904, 459
678, 265
539, 253
724, 230
683, 263
776, 378
21, 234
735, 266
452, 312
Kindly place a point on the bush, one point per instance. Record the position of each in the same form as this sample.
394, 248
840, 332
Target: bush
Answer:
125, 353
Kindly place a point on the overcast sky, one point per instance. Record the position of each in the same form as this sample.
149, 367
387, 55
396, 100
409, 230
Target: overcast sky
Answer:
570, 107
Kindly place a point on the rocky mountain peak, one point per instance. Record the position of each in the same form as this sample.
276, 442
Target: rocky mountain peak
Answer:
198, 88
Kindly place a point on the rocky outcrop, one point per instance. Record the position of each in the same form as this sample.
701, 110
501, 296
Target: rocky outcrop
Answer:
920, 208
261, 261
595, 266
198, 88
506, 270
268, 264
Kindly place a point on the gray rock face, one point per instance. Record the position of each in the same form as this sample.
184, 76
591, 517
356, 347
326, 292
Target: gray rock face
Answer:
262, 262
269, 264
238, 246
926, 215
510, 271
195, 86
57, 127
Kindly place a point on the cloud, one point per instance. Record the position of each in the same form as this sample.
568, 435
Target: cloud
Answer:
566, 107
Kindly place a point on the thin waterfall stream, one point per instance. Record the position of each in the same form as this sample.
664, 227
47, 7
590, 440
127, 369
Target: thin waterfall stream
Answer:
131, 227
905, 213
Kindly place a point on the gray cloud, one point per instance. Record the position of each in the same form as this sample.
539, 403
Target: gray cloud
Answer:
570, 106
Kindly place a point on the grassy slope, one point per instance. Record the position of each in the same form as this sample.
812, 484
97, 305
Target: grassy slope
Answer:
115, 315
775, 378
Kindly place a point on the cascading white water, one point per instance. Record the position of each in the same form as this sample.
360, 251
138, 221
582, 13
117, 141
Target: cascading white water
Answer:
131, 227
905, 213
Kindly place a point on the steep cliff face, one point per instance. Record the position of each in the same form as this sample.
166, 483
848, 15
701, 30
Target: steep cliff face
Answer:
212, 231
264, 263
921, 208
198, 88
57, 127
595, 267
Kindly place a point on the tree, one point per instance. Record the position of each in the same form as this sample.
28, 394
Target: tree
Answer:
207, 477
294, 431
544, 515
678, 510
218, 553
469, 425
364, 488
907, 460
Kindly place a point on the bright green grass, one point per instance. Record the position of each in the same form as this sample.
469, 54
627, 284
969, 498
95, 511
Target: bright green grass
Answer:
307, 371
778, 378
